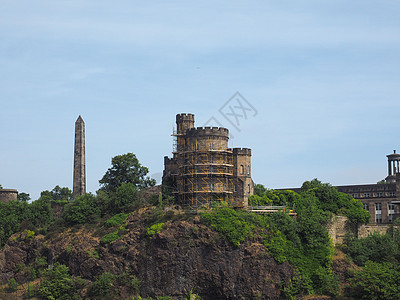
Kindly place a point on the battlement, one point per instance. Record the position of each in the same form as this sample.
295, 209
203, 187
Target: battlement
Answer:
184, 117
241, 151
168, 160
208, 131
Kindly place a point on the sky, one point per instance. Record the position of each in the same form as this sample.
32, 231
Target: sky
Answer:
312, 87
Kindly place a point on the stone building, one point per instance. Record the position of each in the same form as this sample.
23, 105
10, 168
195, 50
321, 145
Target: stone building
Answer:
382, 199
203, 170
8, 194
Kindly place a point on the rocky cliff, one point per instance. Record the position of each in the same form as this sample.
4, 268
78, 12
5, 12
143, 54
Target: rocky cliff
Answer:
183, 256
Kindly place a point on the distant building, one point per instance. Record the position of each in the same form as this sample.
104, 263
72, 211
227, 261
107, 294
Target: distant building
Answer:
382, 199
8, 194
203, 170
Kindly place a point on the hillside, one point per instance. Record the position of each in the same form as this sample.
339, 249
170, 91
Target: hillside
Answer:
183, 255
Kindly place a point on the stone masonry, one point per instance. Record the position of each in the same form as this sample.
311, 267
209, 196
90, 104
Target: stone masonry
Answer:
203, 170
79, 184
8, 194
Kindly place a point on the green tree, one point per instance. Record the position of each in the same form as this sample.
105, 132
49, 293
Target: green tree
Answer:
126, 169
58, 193
328, 198
376, 247
377, 281
126, 197
82, 210
57, 283
23, 197
102, 285
61, 193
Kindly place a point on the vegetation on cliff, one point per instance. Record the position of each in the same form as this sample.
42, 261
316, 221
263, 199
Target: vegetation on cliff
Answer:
125, 242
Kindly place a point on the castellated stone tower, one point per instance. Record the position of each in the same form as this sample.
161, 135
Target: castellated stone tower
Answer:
203, 170
79, 185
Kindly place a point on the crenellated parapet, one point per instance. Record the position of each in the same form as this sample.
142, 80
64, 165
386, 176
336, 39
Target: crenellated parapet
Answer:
241, 151
209, 131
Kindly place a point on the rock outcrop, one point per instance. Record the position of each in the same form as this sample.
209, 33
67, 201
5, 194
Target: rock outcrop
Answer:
185, 255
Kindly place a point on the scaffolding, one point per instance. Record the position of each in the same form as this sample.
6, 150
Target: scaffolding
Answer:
205, 176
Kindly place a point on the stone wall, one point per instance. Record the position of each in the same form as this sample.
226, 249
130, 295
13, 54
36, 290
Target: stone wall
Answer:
7, 194
339, 226
365, 230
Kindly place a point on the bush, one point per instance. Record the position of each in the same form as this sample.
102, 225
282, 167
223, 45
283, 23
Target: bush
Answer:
102, 285
129, 281
57, 283
375, 281
229, 224
12, 285
116, 220
376, 247
81, 210
109, 238
155, 229
30, 290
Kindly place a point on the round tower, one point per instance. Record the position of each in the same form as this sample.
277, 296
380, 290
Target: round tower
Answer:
6, 195
206, 167
393, 166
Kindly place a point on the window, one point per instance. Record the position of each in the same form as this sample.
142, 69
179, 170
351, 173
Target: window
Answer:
380, 194
392, 194
379, 218
366, 206
367, 195
248, 170
378, 212
241, 169
391, 212
355, 195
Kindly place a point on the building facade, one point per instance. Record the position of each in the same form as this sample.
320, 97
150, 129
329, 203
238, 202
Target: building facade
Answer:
203, 171
382, 199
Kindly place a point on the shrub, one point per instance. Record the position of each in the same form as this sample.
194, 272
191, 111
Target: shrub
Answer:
155, 229
101, 286
109, 238
130, 281
81, 210
116, 220
12, 285
229, 224
375, 247
57, 283
375, 281
30, 290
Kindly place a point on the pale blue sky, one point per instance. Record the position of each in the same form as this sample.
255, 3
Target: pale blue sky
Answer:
322, 75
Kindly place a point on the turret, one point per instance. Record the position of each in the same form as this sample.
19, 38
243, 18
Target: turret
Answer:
393, 166
184, 122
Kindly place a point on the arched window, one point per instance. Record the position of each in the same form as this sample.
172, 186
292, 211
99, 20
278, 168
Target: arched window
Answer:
241, 169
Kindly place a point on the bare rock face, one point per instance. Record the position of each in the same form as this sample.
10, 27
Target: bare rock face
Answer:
184, 256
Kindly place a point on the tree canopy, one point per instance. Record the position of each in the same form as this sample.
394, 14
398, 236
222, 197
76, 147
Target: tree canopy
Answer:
126, 168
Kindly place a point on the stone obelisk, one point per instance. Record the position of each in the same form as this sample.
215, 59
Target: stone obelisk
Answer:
79, 159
